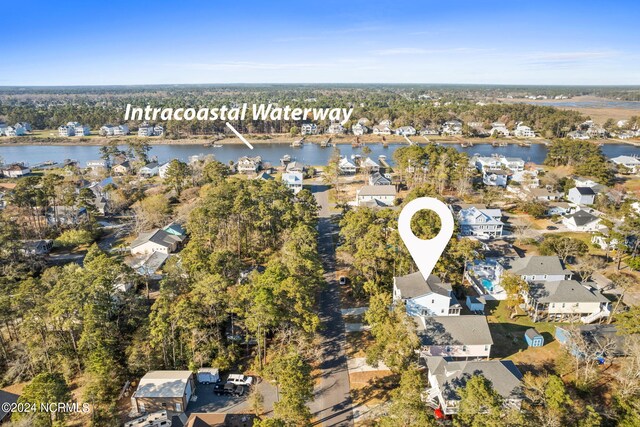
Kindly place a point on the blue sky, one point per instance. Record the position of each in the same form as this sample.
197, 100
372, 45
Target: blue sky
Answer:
480, 41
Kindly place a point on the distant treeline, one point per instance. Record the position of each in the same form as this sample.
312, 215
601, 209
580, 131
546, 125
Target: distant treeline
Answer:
405, 105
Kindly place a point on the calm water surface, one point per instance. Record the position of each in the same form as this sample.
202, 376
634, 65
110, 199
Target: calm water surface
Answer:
311, 154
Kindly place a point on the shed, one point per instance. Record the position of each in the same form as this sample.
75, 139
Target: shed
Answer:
533, 338
475, 304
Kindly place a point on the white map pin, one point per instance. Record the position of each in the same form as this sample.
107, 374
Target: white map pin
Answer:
425, 253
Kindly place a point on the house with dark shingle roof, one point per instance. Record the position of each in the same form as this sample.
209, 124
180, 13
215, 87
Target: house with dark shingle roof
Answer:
538, 268
566, 300
455, 337
581, 195
157, 240
581, 220
447, 378
422, 297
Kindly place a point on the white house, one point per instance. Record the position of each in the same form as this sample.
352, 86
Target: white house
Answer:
346, 167
147, 129
422, 297
499, 128
581, 220
15, 170
65, 130
157, 240
376, 195
149, 170
335, 128
359, 129
79, 129
12, 131
495, 177
382, 129
515, 164
98, 164
162, 170
309, 129
581, 195
428, 131
537, 268
249, 164
377, 178
522, 131
565, 300
369, 165
455, 337
480, 222
632, 163
293, 181
452, 127
487, 162
446, 378
406, 131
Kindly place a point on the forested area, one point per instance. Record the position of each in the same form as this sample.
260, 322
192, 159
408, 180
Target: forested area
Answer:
405, 105
241, 293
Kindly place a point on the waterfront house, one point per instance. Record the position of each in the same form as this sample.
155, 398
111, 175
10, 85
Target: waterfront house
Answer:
15, 170
3, 126
156, 240
578, 134
25, 125
382, 129
565, 301
308, 129
98, 165
451, 127
499, 129
295, 167
164, 390
359, 129
346, 167
514, 164
146, 129
158, 130
293, 181
581, 195
369, 165
75, 129
480, 222
335, 128
12, 131
149, 170
629, 163
581, 221
429, 131
377, 178
249, 164
487, 162
522, 131
162, 169
65, 130
111, 130
446, 378
455, 337
406, 131
422, 297
376, 195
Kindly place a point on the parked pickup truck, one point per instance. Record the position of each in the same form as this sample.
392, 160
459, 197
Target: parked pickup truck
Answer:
240, 379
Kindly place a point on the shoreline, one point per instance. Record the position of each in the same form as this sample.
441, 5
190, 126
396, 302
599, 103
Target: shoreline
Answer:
257, 140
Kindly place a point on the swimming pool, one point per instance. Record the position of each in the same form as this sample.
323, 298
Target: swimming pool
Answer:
487, 284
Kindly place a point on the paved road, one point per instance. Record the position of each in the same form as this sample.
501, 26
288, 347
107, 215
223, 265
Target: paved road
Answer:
332, 401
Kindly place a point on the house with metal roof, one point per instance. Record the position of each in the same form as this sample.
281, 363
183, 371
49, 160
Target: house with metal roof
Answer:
455, 337
293, 181
422, 297
447, 378
164, 390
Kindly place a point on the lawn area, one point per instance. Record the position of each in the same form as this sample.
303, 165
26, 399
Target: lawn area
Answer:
508, 338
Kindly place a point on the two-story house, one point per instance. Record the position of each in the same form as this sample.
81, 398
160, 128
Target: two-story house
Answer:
455, 337
423, 297
581, 195
538, 268
566, 301
480, 222
447, 378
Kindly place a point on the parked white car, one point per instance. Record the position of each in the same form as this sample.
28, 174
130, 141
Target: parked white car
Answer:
240, 379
